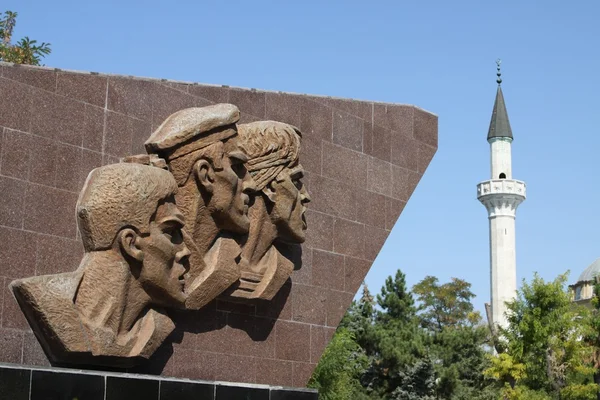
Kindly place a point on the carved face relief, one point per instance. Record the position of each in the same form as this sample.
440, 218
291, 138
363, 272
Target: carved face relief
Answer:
232, 187
289, 197
164, 256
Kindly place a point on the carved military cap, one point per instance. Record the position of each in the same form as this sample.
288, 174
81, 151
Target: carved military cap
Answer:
192, 129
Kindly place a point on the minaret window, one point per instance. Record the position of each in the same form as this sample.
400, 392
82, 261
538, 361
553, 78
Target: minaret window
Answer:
502, 176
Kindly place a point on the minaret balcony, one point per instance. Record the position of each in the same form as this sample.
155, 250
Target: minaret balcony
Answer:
501, 186
501, 196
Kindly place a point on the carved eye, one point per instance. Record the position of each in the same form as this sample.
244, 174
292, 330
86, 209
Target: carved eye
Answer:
174, 234
297, 183
239, 169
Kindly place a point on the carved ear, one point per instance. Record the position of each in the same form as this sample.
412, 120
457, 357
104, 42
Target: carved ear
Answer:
128, 241
205, 174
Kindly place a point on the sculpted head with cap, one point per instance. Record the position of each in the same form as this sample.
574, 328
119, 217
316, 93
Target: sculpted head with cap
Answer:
201, 150
200, 146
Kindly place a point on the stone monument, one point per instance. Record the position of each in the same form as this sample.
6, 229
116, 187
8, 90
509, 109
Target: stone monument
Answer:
285, 201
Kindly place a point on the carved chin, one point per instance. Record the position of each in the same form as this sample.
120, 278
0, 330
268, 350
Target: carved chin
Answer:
292, 234
301, 236
233, 220
175, 297
244, 223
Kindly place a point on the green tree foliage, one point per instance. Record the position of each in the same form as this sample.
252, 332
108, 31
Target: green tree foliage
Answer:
406, 360
359, 320
337, 375
445, 305
398, 341
461, 356
26, 50
395, 300
545, 355
457, 338
593, 334
416, 382
429, 343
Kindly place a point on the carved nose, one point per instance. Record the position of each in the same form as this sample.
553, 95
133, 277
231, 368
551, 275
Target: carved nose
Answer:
249, 185
184, 251
304, 196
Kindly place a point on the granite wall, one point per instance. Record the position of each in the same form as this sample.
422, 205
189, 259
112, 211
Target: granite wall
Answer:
363, 161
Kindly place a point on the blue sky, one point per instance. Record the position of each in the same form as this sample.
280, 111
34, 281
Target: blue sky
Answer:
438, 55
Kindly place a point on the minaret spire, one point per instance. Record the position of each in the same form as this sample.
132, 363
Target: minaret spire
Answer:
501, 195
498, 73
499, 125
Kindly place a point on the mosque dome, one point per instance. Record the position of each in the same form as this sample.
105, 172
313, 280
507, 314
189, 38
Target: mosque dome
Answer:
590, 272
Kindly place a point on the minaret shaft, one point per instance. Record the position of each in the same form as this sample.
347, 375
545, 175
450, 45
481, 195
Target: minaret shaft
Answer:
503, 265
501, 197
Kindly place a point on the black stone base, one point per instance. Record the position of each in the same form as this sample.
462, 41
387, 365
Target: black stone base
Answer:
31, 383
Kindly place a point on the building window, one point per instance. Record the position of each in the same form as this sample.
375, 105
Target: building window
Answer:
578, 293
502, 175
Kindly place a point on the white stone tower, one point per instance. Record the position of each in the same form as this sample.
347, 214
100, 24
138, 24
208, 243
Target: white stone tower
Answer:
501, 195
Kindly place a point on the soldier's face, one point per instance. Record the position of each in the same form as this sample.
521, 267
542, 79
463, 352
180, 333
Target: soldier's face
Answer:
232, 189
289, 206
165, 257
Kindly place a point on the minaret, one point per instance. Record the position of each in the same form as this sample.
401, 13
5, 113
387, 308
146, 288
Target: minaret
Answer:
501, 195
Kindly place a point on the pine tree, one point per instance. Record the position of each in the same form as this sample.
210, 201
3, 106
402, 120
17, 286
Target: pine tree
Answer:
359, 320
399, 340
416, 382
395, 300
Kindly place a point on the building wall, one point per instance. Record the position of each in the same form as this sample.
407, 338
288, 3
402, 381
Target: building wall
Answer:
363, 161
582, 293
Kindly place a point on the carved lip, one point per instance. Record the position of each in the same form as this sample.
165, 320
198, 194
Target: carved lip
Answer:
304, 224
181, 277
246, 200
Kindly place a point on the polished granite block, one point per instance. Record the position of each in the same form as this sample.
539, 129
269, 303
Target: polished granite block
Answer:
14, 383
293, 394
127, 388
51, 385
176, 390
241, 393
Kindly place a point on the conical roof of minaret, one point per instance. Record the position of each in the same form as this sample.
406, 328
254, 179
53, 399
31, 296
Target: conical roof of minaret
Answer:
499, 125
